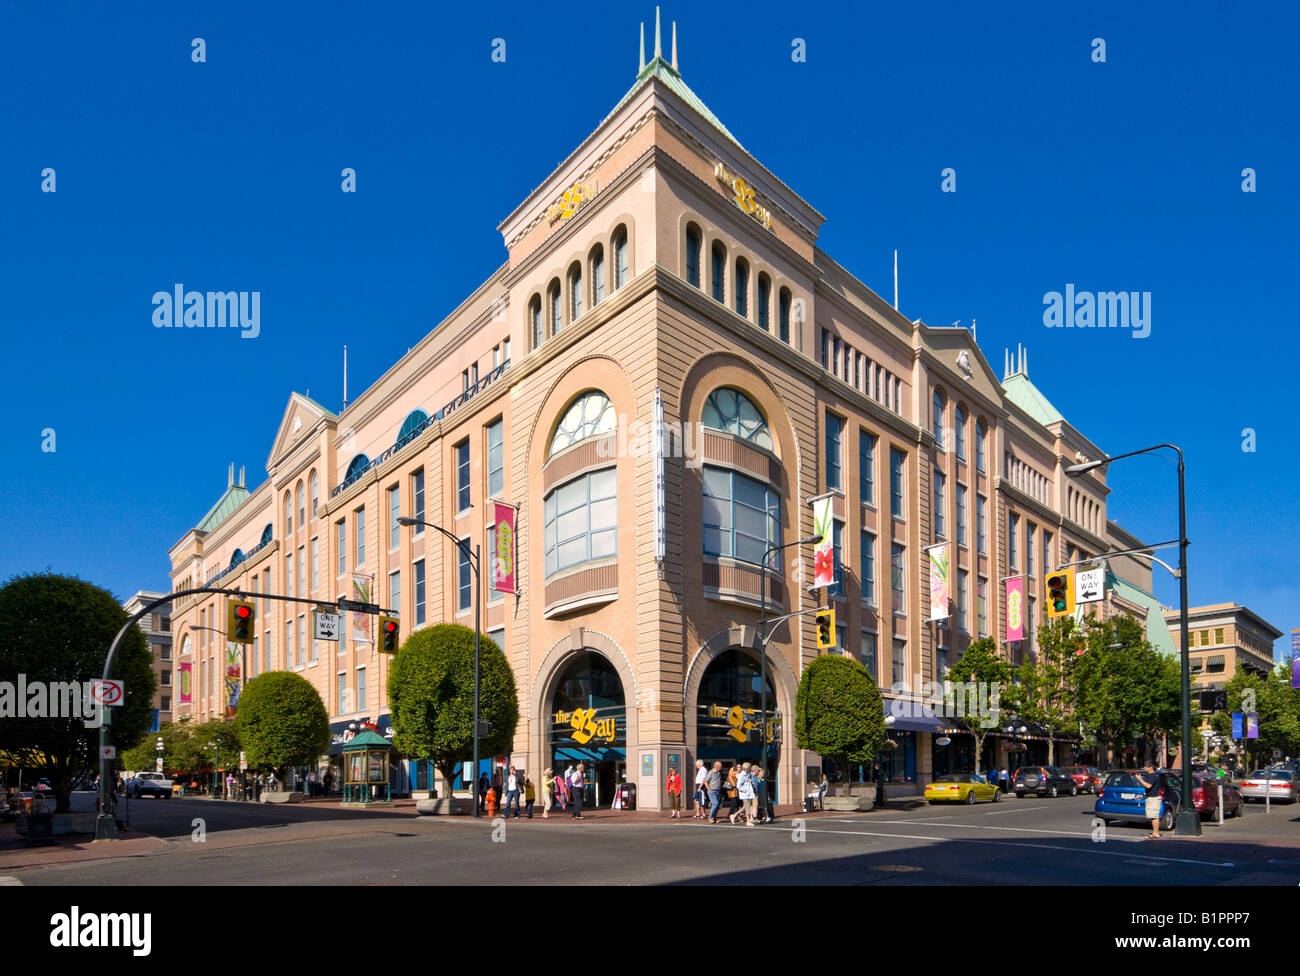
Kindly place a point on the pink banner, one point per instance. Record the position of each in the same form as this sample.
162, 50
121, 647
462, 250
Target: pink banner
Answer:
1016, 609
361, 589
185, 676
503, 553
824, 551
939, 582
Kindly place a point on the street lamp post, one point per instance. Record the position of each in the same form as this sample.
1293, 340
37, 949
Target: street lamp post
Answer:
473, 558
1189, 822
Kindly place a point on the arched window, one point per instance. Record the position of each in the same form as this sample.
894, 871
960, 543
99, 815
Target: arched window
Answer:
302, 505
730, 410
783, 319
620, 258
719, 272
288, 513
535, 319
937, 420
356, 468
266, 535
416, 421
742, 287
588, 681
961, 432
315, 492
694, 245
980, 432
575, 291
236, 558
597, 261
764, 302
590, 415
556, 317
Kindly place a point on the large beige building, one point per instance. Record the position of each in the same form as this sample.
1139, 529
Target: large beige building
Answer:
660, 263
158, 633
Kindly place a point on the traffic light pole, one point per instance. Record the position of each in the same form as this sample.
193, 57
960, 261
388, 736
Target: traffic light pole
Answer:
106, 821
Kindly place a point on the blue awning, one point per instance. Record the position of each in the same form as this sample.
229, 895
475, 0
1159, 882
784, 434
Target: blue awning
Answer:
910, 717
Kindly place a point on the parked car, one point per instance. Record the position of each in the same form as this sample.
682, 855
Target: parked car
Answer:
1086, 778
1043, 781
962, 788
148, 784
1277, 785
1123, 797
1205, 797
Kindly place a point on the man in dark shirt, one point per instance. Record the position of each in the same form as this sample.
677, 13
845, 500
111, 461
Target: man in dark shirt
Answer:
1152, 782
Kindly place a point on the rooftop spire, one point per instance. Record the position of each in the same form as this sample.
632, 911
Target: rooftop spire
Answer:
642, 68
659, 48
674, 45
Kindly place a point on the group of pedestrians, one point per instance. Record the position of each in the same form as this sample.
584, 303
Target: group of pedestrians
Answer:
515, 787
743, 789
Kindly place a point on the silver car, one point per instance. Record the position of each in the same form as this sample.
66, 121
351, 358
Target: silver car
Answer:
1278, 785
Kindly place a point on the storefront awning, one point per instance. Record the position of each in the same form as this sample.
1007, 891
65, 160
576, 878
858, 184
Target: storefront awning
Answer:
911, 717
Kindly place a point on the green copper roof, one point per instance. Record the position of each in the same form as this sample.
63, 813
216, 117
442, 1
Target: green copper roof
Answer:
367, 739
235, 496
1157, 629
672, 79
1030, 399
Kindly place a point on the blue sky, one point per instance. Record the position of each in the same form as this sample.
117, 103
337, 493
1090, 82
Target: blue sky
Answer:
225, 175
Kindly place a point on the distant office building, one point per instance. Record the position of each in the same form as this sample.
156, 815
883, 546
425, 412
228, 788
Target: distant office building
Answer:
157, 627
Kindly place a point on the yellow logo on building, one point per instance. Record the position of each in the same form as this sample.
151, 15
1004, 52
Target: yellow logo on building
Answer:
744, 195
741, 721
570, 200
586, 727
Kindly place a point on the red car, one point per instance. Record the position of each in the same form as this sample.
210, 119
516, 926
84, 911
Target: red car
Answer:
1087, 778
1205, 797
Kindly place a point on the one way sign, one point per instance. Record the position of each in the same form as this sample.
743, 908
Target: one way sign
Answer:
1089, 585
326, 625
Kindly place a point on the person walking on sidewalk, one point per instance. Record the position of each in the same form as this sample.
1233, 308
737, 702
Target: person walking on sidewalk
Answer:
548, 792
530, 795
713, 784
701, 793
512, 786
765, 811
747, 794
675, 793
578, 786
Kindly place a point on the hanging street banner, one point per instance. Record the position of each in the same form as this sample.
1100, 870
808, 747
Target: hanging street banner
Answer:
824, 551
1295, 658
1238, 725
939, 581
234, 659
658, 435
361, 587
503, 553
1252, 725
1015, 594
185, 677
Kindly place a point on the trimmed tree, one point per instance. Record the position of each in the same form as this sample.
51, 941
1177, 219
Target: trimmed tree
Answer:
281, 723
980, 664
431, 697
56, 630
838, 712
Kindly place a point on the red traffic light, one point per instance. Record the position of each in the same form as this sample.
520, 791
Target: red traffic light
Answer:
390, 627
243, 612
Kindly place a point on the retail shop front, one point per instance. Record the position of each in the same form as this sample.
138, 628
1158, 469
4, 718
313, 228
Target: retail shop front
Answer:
589, 725
729, 715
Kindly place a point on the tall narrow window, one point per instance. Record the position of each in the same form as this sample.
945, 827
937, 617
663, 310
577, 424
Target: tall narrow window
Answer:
866, 467
302, 571
288, 514
826, 349
868, 543
837, 545
898, 576
834, 451
315, 493
783, 314
302, 639
982, 606
764, 302
315, 552
694, 245
557, 320
302, 506
462, 476
900, 661
940, 520
575, 292
963, 582
960, 433
719, 271
981, 525
961, 515
496, 458
535, 320
394, 513
361, 689
1013, 532
980, 431
345, 703
896, 504
938, 421
418, 572
742, 287
359, 533
597, 276
395, 590
417, 503
868, 654
620, 258
1047, 551
1030, 542
464, 578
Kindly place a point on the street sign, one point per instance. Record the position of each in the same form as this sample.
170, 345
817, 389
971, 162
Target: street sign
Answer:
108, 752
158, 764
1089, 585
354, 606
243, 762
106, 692
326, 624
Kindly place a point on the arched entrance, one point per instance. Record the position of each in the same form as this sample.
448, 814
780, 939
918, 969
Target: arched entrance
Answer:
728, 710
588, 723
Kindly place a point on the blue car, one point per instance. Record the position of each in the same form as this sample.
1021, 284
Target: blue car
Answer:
1123, 797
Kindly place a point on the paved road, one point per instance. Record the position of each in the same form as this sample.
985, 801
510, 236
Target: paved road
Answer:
1028, 841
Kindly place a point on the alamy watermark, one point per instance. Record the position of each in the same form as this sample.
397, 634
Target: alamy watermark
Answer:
213, 310
636, 439
959, 699
1098, 310
51, 699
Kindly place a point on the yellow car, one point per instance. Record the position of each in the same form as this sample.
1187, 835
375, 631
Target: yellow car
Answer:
963, 788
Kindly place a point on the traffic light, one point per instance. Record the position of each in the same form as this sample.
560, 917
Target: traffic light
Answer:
239, 621
388, 634
825, 628
1060, 593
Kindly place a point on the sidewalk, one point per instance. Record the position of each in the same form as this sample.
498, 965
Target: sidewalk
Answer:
69, 848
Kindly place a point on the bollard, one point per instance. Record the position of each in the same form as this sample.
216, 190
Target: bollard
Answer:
1220, 804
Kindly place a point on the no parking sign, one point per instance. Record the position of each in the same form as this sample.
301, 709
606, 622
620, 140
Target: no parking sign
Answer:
107, 692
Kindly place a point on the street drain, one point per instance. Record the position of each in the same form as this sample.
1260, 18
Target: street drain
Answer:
894, 867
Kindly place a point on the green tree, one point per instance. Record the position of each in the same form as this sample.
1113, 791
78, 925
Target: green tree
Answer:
431, 697
1278, 707
57, 629
838, 712
1122, 681
1048, 690
282, 723
981, 664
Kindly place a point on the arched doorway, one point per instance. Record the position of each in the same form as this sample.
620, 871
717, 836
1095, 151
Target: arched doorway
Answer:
588, 724
729, 714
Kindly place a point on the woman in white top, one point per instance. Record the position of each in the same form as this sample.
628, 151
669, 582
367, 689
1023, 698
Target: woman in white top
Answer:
745, 784
700, 775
